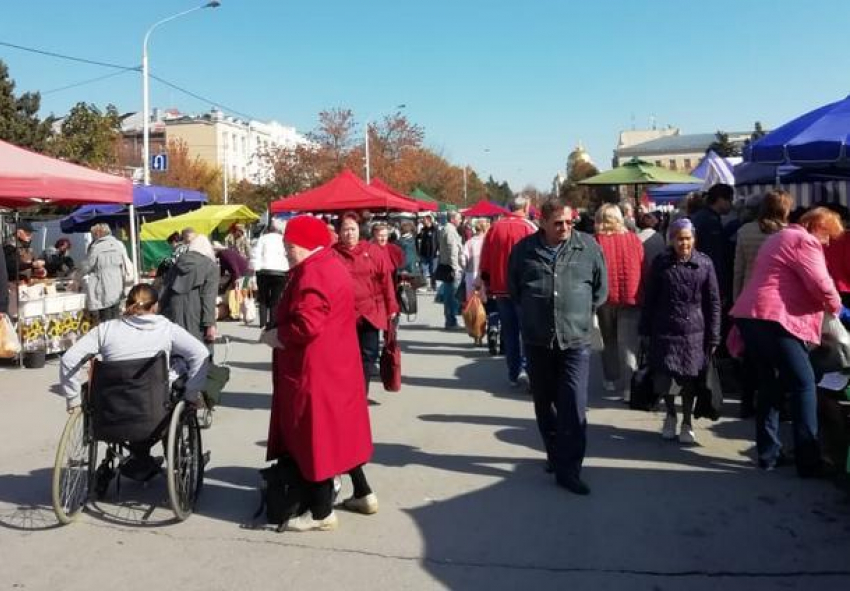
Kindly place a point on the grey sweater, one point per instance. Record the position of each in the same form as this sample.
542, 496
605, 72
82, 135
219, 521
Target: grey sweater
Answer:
135, 337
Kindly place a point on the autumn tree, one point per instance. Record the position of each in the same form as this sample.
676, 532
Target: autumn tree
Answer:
190, 173
581, 196
389, 138
89, 137
291, 169
334, 139
19, 121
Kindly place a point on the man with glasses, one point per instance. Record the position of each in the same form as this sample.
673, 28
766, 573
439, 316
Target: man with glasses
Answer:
558, 279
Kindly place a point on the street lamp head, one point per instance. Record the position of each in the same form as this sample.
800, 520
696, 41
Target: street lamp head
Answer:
213, 4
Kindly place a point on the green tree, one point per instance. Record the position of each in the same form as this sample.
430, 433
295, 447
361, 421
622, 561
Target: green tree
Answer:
89, 137
758, 132
723, 146
19, 121
498, 192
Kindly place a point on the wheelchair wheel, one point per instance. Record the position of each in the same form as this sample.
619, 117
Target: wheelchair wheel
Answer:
185, 464
73, 469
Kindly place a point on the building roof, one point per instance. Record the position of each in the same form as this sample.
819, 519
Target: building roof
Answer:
678, 144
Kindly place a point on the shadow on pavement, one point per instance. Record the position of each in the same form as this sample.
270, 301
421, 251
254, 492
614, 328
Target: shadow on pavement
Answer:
30, 496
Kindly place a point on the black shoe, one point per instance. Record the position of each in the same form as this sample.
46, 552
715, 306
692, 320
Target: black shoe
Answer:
549, 468
575, 485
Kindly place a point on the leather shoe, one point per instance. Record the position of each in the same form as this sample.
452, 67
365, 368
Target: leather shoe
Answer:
575, 485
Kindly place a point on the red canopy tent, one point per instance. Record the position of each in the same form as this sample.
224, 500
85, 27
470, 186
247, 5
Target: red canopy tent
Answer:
344, 192
485, 209
422, 205
27, 178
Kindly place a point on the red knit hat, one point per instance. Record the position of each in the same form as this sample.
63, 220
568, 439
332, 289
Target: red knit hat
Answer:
307, 232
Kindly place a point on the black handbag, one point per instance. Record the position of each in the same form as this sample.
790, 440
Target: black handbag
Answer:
407, 299
709, 395
444, 273
642, 395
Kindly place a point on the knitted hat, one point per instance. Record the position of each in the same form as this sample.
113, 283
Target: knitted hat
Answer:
307, 232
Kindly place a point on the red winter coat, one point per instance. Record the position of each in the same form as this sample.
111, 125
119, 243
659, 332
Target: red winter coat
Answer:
319, 410
498, 242
374, 292
623, 254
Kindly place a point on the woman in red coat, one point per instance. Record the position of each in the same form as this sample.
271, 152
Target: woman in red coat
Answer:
319, 411
619, 316
374, 292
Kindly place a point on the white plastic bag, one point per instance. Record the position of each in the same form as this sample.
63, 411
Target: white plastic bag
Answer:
249, 310
10, 345
833, 354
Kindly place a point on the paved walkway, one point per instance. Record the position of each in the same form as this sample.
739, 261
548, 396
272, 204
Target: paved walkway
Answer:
465, 503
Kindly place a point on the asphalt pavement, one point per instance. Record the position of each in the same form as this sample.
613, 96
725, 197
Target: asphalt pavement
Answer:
465, 502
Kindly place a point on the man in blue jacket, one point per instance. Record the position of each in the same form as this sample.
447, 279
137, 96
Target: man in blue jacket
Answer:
558, 279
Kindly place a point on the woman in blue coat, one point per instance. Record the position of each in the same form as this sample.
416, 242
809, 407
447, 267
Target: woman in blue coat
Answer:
681, 322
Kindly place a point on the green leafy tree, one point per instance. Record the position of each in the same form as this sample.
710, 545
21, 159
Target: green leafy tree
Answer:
723, 146
19, 121
498, 192
89, 137
758, 132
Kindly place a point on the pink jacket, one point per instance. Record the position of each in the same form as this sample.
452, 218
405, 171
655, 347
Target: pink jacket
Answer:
790, 285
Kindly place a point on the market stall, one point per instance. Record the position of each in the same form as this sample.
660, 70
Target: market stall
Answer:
208, 219
51, 314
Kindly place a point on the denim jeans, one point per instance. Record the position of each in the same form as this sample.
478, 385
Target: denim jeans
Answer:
451, 307
783, 367
509, 322
427, 266
368, 338
559, 382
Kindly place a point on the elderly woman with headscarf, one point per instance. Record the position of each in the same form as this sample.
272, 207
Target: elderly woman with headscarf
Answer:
319, 411
681, 321
190, 289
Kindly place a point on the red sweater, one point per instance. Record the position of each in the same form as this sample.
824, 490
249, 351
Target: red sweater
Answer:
498, 242
623, 254
838, 262
374, 293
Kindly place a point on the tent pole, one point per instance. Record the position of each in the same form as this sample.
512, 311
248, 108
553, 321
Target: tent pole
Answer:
134, 251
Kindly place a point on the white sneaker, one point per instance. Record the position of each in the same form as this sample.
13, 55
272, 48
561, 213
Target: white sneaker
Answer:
609, 386
367, 505
668, 431
305, 522
686, 435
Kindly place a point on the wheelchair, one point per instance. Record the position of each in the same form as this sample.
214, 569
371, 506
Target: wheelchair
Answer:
127, 404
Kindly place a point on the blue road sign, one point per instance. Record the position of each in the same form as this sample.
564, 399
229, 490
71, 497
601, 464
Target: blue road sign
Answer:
159, 162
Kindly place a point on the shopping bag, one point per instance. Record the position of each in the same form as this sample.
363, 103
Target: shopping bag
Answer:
249, 309
833, 353
10, 345
391, 361
474, 317
217, 378
234, 303
642, 394
407, 299
709, 397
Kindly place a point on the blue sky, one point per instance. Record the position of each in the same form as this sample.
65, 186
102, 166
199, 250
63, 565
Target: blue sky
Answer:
508, 87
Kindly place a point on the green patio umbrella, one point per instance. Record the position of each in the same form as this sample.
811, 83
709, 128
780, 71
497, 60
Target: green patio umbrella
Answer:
421, 195
640, 172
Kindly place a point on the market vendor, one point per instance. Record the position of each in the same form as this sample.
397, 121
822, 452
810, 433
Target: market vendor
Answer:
233, 266
21, 263
57, 260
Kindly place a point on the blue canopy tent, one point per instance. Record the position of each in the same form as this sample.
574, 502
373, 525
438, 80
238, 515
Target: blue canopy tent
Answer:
818, 138
152, 203
712, 168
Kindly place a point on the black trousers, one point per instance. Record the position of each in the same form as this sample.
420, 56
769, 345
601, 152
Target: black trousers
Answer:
322, 493
369, 339
270, 285
104, 314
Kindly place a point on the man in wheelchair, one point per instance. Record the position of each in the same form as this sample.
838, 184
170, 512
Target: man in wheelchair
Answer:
140, 334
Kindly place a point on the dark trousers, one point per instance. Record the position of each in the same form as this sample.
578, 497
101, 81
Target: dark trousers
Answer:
559, 381
782, 364
269, 289
369, 339
321, 494
509, 322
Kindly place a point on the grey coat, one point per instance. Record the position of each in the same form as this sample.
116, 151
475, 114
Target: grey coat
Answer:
103, 272
189, 293
557, 298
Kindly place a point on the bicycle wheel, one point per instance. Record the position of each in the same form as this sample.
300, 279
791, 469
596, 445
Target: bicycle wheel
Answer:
184, 458
72, 470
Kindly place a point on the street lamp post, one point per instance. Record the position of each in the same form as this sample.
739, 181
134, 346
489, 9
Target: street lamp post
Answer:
146, 127
368, 157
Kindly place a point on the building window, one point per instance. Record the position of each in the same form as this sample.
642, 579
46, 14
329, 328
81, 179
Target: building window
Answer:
658, 163
688, 166
673, 165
